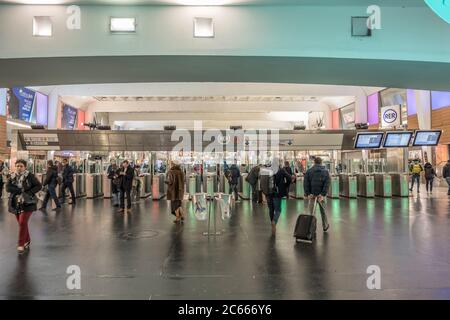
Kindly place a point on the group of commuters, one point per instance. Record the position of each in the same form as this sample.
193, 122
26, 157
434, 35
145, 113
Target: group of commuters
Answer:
416, 169
124, 180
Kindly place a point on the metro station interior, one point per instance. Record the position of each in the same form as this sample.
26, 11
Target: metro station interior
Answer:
210, 84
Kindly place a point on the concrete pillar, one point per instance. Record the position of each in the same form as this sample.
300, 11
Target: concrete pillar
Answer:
53, 103
423, 104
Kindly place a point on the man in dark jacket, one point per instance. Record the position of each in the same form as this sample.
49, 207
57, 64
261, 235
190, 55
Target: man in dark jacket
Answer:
126, 175
67, 182
233, 180
446, 175
277, 191
316, 183
287, 167
252, 179
51, 181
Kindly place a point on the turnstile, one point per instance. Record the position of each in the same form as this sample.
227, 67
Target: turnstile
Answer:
348, 186
106, 186
80, 185
158, 187
297, 189
192, 186
366, 185
146, 185
333, 190
383, 185
400, 184
245, 191
94, 185
210, 183
224, 185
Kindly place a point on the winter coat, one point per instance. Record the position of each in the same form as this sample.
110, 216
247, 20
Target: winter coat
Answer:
317, 181
253, 176
446, 171
31, 185
282, 179
235, 174
126, 181
175, 183
68, 174
51, 176
430, 173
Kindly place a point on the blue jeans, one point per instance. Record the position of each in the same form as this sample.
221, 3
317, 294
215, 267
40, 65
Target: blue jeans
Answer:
274, 204
51, 192
448, 181
415, 177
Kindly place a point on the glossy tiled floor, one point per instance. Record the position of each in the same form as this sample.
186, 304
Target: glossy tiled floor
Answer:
143, 255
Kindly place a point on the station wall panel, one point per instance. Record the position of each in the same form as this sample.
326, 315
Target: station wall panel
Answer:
440, 119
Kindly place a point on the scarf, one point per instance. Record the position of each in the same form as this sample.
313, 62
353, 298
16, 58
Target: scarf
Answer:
20, 178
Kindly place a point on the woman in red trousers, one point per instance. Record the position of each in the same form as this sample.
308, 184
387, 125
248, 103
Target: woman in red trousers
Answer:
23, 186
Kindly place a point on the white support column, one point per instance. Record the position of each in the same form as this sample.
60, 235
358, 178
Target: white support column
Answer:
423, 105
53, 103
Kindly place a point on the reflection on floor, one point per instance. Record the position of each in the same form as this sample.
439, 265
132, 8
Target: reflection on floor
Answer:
143, 255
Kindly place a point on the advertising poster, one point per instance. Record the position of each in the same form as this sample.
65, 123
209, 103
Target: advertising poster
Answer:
69, 117
20, 103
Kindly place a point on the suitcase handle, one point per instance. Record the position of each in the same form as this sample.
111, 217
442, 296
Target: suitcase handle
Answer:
313, 212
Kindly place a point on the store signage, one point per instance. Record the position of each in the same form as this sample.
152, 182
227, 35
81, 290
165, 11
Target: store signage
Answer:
41, 141
390, 116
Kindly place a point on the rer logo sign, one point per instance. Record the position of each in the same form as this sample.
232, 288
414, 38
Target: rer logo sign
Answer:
441, 8
390, 116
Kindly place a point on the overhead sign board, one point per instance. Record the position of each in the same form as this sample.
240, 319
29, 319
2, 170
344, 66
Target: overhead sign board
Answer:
41, 141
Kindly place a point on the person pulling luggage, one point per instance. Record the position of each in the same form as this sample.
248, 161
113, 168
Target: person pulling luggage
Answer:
316, 183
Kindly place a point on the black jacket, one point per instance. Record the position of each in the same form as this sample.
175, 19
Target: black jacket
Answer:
429, 171
282, 179
31, 185
68, 174
126, 181
235, 174
253, 176
317, 181
51, 176
446, 171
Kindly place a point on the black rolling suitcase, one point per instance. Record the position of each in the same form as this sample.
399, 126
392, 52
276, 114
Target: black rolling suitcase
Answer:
305, 227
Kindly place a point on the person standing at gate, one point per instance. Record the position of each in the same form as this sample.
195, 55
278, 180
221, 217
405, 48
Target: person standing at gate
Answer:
316, 183
67, 182
126, 175
233, 179
416, 169
252, 178
430, 174
113, 177
23, 185
175, 191
51, 181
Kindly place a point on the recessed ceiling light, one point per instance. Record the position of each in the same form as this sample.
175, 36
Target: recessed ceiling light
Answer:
42, 26
122, 25
203, 28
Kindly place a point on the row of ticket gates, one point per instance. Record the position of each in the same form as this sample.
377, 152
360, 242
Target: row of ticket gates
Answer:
343, 185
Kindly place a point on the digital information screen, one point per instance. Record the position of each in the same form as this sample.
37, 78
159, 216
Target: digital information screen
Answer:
397, 139
427, 138
368, 140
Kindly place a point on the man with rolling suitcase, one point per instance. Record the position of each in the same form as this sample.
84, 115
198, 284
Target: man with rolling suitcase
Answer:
316, 183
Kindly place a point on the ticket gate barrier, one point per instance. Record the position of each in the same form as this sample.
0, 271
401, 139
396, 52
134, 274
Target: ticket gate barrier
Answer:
94, 185
142, 191
106, 187
348, 186
297, 189
210, 181
192, 186
79, 185
158, 186
383, 185
245, 192
146, 185
366, 185
333, 190
400, 184
224, 185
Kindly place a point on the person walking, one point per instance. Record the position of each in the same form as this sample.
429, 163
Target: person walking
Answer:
287, 167
316, 183
22, 186
114, 181
67, 182
252, 178
126, 175
233, 180
430, 174
277, 190
446, 175
51, 181
416, 169
3, 176
175, 181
